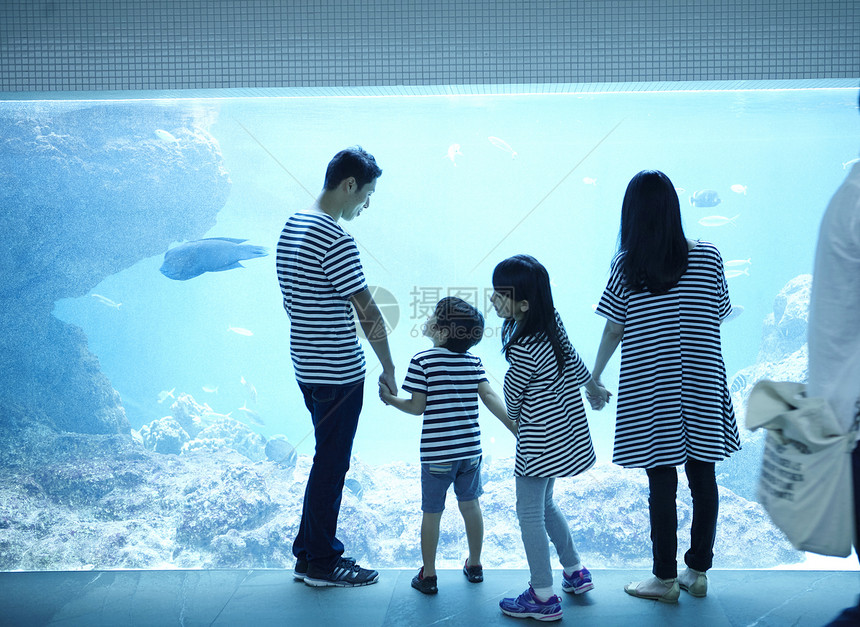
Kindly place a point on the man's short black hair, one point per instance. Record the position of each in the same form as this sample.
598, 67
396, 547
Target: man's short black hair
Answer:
464, 323
355, 162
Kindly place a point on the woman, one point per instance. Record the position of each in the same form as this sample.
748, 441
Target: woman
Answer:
664, 303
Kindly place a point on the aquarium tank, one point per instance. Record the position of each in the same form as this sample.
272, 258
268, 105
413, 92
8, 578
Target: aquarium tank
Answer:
151, 417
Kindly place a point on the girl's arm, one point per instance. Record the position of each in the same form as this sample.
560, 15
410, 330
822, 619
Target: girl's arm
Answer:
414, 405
520, 373
494, 403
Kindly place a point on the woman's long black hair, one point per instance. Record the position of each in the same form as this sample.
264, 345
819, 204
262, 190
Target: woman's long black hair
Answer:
652, 249
522, 277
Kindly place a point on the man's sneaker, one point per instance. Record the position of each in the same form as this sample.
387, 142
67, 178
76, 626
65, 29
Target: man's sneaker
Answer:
425, 585
527, 606
300, 570
475, 574
578, 582
346, 574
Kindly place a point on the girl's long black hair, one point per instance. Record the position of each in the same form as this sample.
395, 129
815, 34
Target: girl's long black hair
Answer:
522, 277
652, 249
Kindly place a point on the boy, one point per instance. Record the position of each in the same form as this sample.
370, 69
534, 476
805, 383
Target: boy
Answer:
445, 382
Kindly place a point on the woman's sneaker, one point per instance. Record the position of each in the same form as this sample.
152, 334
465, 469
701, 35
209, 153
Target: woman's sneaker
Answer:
578, 582
424, 585
527, 606
346, 574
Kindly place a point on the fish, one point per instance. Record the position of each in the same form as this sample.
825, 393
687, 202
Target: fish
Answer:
279, 450
738, 263
106, 301
354, 486
731, 274
251, 414
739, 189
165, 136
164, 395
250, 387
852, 162
454, 152
705, 198
589, 181
212, 416
210, 390
734, 313
213, 254
738, 383
718, 220
502, 145
240, 331
680, 190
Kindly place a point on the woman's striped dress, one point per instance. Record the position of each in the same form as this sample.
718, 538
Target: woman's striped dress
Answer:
673, 401
553, 439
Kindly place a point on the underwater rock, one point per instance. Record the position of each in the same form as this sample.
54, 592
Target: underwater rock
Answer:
784, 330
165, 436
90, 191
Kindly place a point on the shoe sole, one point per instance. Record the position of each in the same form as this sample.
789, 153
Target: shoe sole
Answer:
534, 615
661, 599
431, 591
323, 583
580, 590
299, 576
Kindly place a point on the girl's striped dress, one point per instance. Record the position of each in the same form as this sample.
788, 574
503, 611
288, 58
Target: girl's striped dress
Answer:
553, 439
673, 401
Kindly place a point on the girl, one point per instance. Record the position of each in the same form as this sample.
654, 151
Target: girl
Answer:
542, 395
666, 298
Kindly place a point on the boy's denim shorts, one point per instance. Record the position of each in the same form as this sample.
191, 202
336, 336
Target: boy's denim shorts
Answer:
436, 477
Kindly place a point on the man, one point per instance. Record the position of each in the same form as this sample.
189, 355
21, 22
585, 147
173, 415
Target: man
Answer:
321, 280
834, 325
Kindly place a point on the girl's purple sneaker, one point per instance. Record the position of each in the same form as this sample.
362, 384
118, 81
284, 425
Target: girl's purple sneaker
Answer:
527, 606
578, 582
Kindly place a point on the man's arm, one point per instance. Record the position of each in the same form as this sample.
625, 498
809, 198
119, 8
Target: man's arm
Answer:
374, 329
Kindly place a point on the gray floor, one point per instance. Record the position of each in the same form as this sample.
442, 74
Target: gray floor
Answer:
271, 597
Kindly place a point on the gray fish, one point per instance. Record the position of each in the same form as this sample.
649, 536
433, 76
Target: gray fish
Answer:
280, 451
738, 384
214, 254
354, 486
705, 198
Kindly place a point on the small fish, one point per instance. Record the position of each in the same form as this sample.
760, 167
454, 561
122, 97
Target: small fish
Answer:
251, 414
106, 301
502, 145
210, 390
680, 190
718, 220
164, 395
240, 331
251, 389
454, 152
852, 162
738, 263
165, 136
705, 198
279, 450
213, 254
354, 486
738, 383
731, 274
211, 416
734, 313
589, 181
739, 189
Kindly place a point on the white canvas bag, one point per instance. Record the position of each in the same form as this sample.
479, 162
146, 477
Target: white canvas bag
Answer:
805, 482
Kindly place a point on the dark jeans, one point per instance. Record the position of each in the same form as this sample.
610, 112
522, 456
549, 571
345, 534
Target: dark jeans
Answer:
663, 482
334, 412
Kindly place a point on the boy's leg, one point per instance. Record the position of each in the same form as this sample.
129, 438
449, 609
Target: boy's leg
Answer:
474, 521
429, 541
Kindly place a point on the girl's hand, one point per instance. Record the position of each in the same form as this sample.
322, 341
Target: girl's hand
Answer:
598, 401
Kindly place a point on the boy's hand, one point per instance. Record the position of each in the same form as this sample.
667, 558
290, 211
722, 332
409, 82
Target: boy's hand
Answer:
384, 393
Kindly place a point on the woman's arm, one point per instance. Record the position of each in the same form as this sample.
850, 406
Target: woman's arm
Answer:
612, 334
494, 403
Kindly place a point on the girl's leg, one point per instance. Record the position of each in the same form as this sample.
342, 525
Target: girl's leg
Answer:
531, 494
474, 521
429, 541
558, 530
706, 505
663, 483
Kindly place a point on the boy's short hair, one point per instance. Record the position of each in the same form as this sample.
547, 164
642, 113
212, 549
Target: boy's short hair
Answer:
464, 323
355, 162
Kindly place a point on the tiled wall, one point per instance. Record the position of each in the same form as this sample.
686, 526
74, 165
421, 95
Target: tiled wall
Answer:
70, 45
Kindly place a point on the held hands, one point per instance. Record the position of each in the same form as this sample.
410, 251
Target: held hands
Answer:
388, 383
385, 394
598, 400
